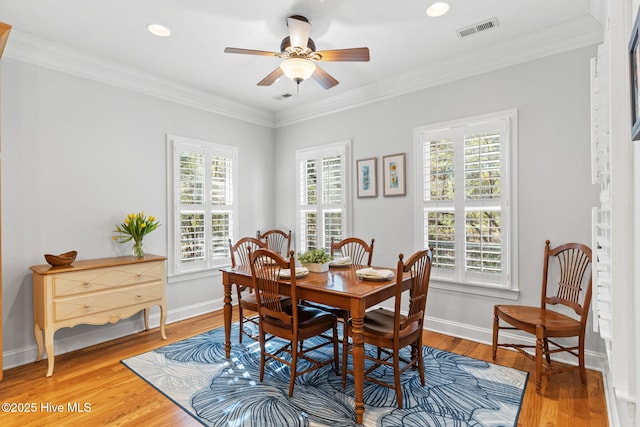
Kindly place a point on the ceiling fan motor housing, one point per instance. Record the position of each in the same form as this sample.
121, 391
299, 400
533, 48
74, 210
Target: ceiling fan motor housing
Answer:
285, 45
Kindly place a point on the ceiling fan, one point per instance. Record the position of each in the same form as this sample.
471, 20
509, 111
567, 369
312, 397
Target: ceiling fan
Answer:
300, 56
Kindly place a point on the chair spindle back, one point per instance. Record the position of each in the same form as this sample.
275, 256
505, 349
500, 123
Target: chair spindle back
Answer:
266, 266
419, 266
240, 251
276, 240
354, 248
574, 261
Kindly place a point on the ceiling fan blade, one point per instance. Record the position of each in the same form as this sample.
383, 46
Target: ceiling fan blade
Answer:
271, 78
250, 51
299, 30
323, 78
354, 54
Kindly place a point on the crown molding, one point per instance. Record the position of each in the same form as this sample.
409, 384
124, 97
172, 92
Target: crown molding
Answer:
34, 50
580, 32
570, 35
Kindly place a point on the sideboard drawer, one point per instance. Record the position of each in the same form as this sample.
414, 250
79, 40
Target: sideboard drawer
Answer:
84, 305
81, 282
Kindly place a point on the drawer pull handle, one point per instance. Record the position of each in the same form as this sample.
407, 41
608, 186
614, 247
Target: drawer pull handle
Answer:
86, 307
86, 284
138, 296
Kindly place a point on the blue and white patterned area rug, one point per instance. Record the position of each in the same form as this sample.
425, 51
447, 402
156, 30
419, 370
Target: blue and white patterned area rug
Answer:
194, 373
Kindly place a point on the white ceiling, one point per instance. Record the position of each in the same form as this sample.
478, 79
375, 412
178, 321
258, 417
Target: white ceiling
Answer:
404, 43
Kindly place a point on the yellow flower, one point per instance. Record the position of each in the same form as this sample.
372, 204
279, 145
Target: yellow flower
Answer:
134, 227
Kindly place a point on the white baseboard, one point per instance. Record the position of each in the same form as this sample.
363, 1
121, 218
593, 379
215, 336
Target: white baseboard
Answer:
100, 334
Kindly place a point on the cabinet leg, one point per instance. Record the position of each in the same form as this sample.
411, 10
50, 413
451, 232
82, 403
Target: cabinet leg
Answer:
146, 319
163, 320
38, 333
48, 344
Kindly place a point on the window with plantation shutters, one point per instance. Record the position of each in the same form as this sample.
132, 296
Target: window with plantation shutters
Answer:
203, 207
322, 177
464, 203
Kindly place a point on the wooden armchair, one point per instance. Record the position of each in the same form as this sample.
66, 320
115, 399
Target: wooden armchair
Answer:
291, 322
390, 330
276, 240
573, 261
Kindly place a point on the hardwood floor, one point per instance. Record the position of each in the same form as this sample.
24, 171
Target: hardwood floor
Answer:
91, 387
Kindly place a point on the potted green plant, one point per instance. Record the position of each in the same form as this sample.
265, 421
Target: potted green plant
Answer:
316, 260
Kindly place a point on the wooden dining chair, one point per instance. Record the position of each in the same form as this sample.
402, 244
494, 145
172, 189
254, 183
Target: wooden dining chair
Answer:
276, 240
356, 249
291, 322
247, 303
391, 331
572, 269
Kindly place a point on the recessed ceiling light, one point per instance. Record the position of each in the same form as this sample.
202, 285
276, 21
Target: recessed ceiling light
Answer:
159, 30
438, 9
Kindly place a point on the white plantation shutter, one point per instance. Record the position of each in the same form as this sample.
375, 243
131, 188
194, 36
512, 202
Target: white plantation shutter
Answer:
438, 192
322, 187
191, 196
483, 191
332, 197
203, 203
308, 190
221, 205
464, 205
191, 177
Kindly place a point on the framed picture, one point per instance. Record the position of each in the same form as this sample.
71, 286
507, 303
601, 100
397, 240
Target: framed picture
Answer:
634, 63
367, 177
394, 175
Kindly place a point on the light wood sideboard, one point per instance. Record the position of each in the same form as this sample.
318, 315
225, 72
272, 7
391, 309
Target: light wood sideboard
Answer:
95, 292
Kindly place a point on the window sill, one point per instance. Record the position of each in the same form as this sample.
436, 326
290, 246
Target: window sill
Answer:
475, 289
195, 274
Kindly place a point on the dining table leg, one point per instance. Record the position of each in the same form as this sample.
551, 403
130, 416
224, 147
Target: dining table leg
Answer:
357, 324
227, 314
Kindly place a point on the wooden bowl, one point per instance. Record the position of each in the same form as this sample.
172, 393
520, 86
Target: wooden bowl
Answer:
62, 259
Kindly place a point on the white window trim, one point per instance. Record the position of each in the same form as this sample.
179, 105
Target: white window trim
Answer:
209, 266
317, 152
511, 289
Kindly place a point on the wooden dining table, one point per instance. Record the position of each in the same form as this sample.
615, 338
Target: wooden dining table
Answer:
339, 287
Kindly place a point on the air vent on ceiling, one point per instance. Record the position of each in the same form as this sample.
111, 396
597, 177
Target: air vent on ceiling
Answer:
476, 28
283, 96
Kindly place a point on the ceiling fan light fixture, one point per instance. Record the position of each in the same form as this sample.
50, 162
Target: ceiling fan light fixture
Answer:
437, 9
298, 69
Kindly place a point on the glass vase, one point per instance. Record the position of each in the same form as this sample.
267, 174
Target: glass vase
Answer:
138, 252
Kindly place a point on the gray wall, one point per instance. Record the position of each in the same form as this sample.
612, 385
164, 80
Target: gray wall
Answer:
78, 156
108, 145
555, 191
